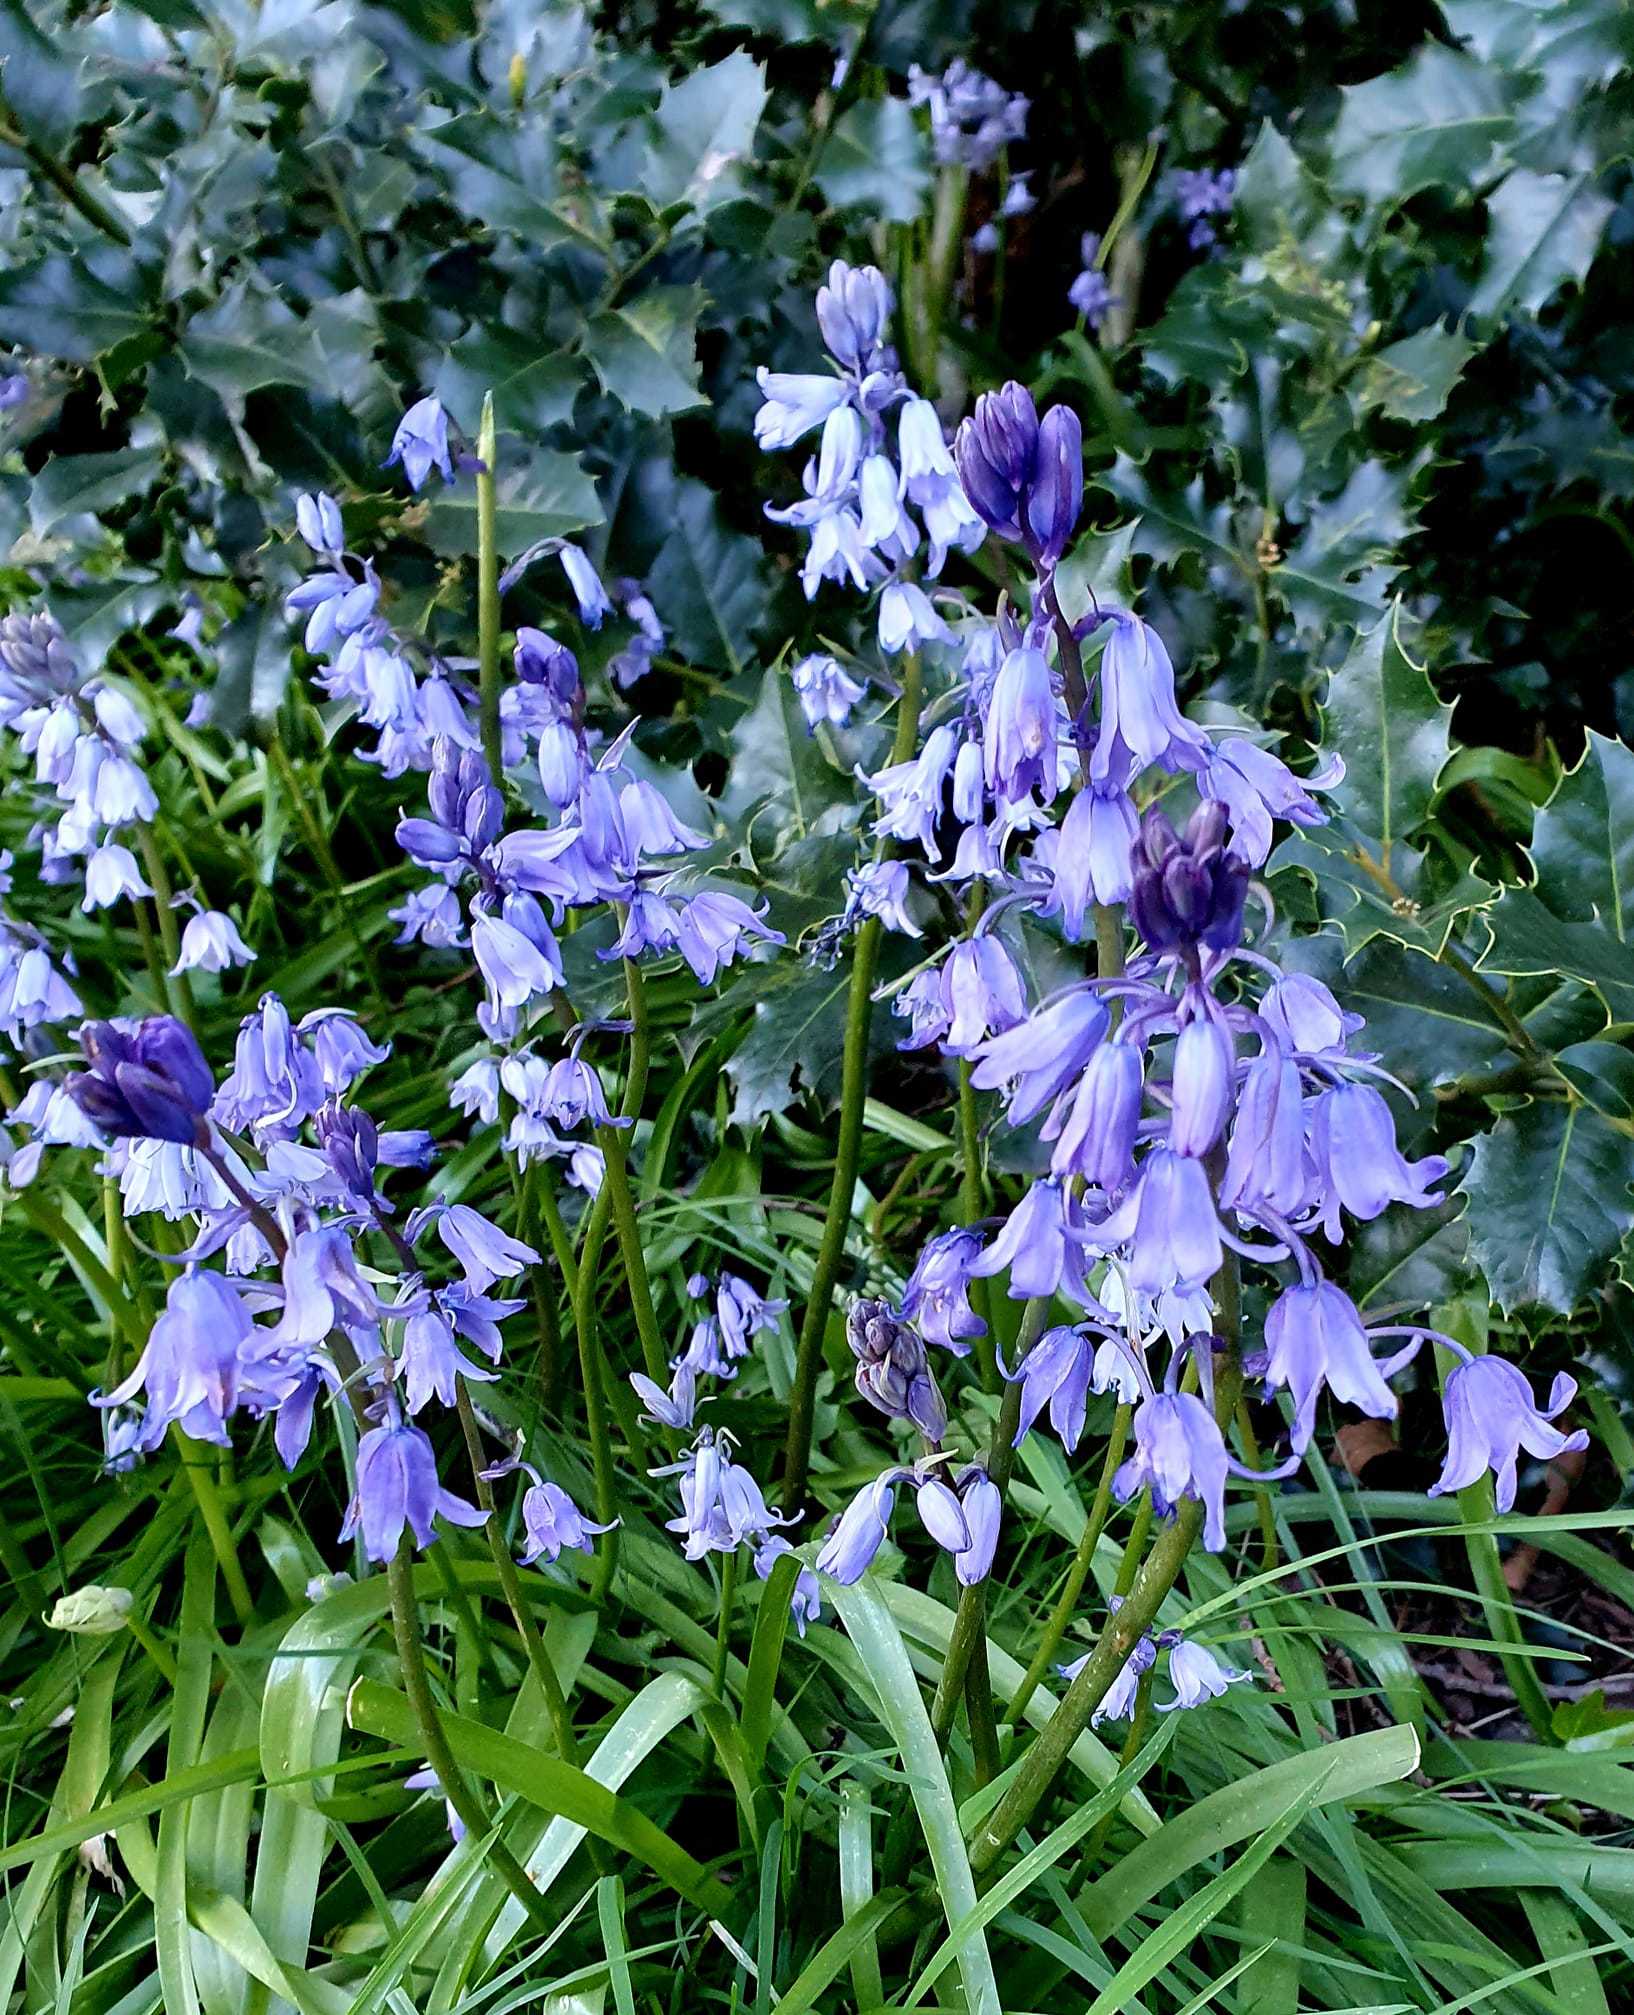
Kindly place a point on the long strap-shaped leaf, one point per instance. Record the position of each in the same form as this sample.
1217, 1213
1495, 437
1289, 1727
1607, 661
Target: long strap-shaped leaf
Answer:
872, 1629
547, 1782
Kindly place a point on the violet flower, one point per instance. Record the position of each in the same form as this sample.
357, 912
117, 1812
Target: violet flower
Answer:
1491, 1416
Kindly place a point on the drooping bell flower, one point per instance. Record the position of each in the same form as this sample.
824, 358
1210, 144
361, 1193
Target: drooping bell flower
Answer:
1314, 1338
1359, 1166
193, 1368
398, 1487
937, 1297
553, 1524
1096, 1127
1019, 731
1179, 1453
1196, 1675
1090, 859
1202, 1086
211, 943
983, 1506
1038, 1058
1140, 720
421, 444
1058, 1373
1267, 1162
825, 690
1306, 1019
1036, 1244
1167, 1225
1491, 1416
807, 1602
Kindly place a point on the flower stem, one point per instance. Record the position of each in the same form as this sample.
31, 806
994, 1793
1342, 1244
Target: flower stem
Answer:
417, 1685
1078, 1573
847, 1153
199, 1462
488, 590
179, 985
510, 1581
616, 1180
723, 1629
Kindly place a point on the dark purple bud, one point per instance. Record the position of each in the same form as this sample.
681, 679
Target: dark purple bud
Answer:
996, 451
892, 1372
429, 842
1187, 889
152, 1084
351, 1145
542, 661
1056, 495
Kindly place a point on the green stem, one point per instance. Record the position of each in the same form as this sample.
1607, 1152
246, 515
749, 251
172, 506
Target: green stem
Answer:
510, 1581
847, 1153
317, 840
162, 1660
595, 1398
616, 1180
198, 1461
66, 183
417, 1685
488, 590
723, 1629
1138, 1723
179, 986
1078, 1573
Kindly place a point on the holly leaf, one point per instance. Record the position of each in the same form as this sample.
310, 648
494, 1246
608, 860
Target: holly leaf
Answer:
1408, 908
1549, 1203
71, 484
541, 493
709, 583
1526, 938
877, 159
1173, 522
645, 353
780, 783
60, 307
1413, 379
533, 387
1439, 121
1544, 230
703, 130
1583, 843
1383, 713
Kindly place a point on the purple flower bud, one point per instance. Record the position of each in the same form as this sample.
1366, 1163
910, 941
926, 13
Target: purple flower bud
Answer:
983, 1507
854, 312
150, 1083
351, 1146
541, 661
1491, 1415
1187, 890
421, 444
1056, 494
317, 519
937, 1297
996, 451
849, 1550
1314, 1337
892, 1372
398, 1487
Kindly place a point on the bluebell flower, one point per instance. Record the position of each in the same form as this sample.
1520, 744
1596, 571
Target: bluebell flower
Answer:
1179, 1453
1141, 722
552, 1524
200, 1361
907, 621
1038, 1058
146, 1083
592, 598
318, 520
350, 1144
1036, 1244
881, 522
636, 659
32, 991
1203, 1081
651, 924
1267, 1162
1491, 1416
1306, 1019
571, 1092
849, 1550
714, 929
1089, 860
910, 793
431, 1363
398, 1487
14, 391
982, 992
893, 1373
743, 1313
514, 968
674, 1408
1359, 1166
983, 1506
937, 1296
111, 874
880, 889
483, 1251
1096, 1127
1166, 1224
721, 1504
421, 444
826, 692
1118, 1702
794, 403
922, 1005
1314, 1338
1203, 195
323, 1285
1196, 1675
211, 943
1058, 1373
807, 1602
1256, 788
1091, 292
340, 1048
1019, 732
432, 916
973, 118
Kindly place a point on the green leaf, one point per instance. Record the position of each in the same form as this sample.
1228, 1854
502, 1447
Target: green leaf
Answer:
1525, 938
1409, 907
521, 1770
1337, 569
1384, 715
873, 1631
1174, 523
780, 784
503, 176
59, 307
1603, 1074
1413, 379
708, 582
1440, 120
542, 494
533, 387
796, 1035
41, 76
70, 484
645, 354
1583, 841
1275, 192
877, 159
1549, 1203
249, 340
1544, 231
703, 131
